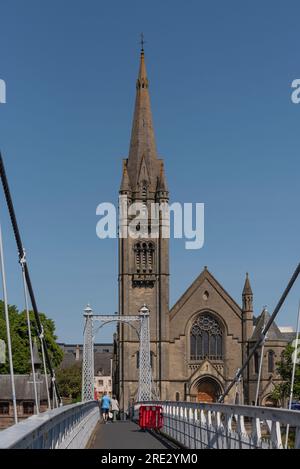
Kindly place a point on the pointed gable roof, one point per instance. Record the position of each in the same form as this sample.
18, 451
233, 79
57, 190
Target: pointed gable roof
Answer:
272, 334
125, 183
207, 367
142, 143
143, 173
161, 182
206, 275
247, 287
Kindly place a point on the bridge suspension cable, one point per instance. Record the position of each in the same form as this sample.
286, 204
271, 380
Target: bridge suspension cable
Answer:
263, 332
21, 253
22, 262
41, 336
260, 366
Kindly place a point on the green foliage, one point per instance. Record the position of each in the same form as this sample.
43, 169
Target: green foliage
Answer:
20, 341
69, 382
284, 369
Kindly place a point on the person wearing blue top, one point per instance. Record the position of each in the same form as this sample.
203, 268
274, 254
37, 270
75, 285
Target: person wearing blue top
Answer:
105, 406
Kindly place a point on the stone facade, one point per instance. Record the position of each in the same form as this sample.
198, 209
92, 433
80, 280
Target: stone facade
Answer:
144, 263
103, 358
102, 384
103, 354
198, 345
24, 397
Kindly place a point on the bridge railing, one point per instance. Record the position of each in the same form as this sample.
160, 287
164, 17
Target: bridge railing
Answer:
223, 426
69, 426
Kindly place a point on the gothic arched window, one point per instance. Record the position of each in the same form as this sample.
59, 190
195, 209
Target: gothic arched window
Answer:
144, 257
144, 194
144, 191
206, 338
256, 362
137, 250
150, 256
271, 356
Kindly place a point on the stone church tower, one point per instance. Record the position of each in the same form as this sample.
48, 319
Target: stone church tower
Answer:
143, 262
198, 345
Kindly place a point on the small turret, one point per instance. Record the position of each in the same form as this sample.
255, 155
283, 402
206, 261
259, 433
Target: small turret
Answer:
247, 327
125, 187
162, 189
247, 296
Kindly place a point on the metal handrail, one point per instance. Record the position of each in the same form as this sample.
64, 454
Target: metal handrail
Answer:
69, 426
215, 426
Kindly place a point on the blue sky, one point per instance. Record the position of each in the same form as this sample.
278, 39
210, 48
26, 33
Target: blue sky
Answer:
220, 81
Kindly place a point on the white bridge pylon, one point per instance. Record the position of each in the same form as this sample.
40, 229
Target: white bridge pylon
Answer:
145, 372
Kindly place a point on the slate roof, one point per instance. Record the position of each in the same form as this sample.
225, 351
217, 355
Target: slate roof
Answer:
103, 355
102, 363
274, 332
24, 387
289, 336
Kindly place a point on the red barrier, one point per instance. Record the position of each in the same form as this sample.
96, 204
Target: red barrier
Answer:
151, 417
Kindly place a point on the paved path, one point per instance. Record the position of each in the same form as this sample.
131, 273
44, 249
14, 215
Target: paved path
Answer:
123, 435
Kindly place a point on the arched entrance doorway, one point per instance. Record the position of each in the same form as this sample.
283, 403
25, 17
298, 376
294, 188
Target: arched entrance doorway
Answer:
207, 390
268, 401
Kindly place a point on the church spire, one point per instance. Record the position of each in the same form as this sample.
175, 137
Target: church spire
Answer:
247, 295
142, 151
247, 287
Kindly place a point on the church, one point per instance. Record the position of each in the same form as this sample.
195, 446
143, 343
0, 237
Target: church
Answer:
198, 344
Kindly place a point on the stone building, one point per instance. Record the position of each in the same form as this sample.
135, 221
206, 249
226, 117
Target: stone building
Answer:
103, 355
102, 384
198, 345
25, 397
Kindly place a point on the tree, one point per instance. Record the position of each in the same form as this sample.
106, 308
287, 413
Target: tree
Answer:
69, 381
284, 368
20, 340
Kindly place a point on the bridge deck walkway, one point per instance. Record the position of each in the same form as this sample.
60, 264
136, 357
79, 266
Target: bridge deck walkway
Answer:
123, 435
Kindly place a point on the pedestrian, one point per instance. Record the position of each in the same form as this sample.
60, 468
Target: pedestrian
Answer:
105, 406
114, 408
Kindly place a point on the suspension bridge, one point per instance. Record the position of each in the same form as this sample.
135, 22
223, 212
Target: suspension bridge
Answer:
185, 424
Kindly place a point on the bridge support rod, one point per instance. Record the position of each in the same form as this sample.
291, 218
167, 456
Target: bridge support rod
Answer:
144, 392
88, 357
145, 372
10, 358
